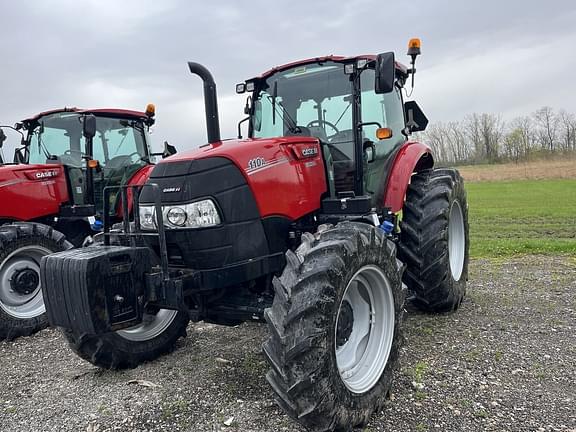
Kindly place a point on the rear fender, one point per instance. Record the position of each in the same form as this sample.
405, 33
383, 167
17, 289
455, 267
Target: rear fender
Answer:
412, 157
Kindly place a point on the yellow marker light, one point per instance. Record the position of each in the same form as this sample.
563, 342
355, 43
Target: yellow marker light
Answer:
383, 133
150, 110
414, 43
414, 47
92, 163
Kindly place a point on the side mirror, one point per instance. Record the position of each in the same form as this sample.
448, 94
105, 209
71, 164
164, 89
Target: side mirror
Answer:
89, 127
248, 106
2, 137
385, 73
416, 121
169, 150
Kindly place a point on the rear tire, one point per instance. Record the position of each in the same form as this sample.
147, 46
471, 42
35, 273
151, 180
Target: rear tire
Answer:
335, 327
434, 240
128, 348
22, 245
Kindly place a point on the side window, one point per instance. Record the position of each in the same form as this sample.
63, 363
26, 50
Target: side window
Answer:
54, 141
267, 128
385, 109
98, 148
394, 112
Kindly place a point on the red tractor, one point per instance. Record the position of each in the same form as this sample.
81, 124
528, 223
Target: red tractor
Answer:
52, 196
298, 225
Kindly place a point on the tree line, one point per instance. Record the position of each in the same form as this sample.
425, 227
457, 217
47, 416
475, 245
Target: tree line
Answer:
487, 138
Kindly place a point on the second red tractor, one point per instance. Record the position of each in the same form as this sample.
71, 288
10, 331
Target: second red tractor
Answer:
51, 197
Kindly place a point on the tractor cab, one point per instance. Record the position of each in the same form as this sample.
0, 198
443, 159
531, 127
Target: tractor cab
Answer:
97, 148
352, 105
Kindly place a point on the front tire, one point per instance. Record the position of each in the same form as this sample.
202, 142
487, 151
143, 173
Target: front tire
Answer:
128, 348
434, 239
22, 245
335, 327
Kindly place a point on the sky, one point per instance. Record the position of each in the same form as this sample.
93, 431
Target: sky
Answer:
498, 56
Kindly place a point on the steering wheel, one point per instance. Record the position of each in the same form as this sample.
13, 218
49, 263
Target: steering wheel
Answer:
124, 160
320, 123
138, 159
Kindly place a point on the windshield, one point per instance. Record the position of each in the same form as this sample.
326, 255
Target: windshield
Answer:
118, 142
313, 99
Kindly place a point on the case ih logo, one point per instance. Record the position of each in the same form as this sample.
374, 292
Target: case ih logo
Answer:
309, 151
46, 174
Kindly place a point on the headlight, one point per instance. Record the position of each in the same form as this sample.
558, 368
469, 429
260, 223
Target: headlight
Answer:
177, 216
199, 214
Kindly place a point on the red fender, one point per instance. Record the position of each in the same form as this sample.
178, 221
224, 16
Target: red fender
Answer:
138, 179
412, 157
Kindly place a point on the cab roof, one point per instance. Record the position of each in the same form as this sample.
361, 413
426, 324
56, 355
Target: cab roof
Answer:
334, 58
110, 112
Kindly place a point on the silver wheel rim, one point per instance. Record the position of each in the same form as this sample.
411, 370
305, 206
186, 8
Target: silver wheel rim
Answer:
456, 240
15, 304
362, 357
152, 325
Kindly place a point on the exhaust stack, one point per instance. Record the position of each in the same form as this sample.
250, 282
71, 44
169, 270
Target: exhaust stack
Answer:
210, 101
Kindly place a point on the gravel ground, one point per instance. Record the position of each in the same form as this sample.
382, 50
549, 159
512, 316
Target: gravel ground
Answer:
504, 362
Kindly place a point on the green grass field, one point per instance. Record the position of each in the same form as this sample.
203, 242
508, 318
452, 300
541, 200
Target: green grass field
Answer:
522, 217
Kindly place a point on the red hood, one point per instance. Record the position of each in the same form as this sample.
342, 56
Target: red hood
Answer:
271, 166
232, 148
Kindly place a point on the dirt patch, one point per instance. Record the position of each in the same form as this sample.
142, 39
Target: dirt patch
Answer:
522, 171
505, 361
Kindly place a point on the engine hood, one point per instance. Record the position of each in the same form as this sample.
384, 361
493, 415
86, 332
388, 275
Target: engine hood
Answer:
31, 191
235, 149
286, 175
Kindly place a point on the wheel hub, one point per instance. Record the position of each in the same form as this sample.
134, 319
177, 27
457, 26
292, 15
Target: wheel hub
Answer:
456, 241
25, 281
364, 329
20, 285
345, 324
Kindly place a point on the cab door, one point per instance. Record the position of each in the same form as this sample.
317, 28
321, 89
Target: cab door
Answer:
387, 111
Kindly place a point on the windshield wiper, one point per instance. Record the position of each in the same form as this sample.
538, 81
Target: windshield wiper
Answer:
286, 119
342, 115
41, 145
291, 124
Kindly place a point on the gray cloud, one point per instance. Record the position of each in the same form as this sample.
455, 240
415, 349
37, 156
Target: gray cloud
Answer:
493, 56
